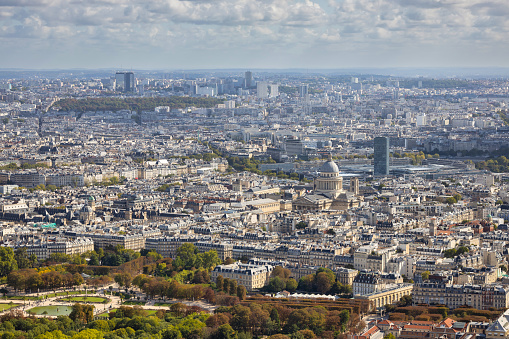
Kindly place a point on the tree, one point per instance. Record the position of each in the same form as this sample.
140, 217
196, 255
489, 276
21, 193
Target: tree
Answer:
323, 282
186, 256
219, 282
281, 272
241, 292
405, 300
7, 261
274, 316
171, 333
276, 284
94, 260
291, 285
301, 225
82, 312
22, 258
389, 336
240, 319
425, 275
224, 332
77, 279
306, 283
123, 279
209, 259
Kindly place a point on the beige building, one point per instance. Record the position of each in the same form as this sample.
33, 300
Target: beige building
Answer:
390, 295
135, 242
251, 277
224, 250
454, 296
267, 206
346, 275
64, 246
167, 246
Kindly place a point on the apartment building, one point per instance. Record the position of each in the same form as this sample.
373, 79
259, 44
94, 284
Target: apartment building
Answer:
43, 250
250, 276
454, 296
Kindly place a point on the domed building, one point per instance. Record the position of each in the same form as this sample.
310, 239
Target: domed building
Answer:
328, 193
87, 214
329, 182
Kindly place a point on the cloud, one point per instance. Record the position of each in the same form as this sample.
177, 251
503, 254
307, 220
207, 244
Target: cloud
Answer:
278, 27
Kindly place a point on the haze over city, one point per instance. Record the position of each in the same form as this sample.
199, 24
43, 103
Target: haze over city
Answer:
171, 34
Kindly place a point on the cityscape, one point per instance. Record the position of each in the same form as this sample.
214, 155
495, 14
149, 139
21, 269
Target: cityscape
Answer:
254, 169
382, 199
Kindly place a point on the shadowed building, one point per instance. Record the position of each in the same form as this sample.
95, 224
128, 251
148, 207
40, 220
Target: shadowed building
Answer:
381, 148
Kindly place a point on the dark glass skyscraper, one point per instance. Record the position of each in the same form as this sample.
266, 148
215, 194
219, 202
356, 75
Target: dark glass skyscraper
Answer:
381, 162
248, 79
125, 82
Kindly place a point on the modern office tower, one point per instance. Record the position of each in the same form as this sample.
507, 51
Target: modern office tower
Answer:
274, 90
248, 79
294, 146
262, 90
125, 82
381, 146
420, 120
303, 91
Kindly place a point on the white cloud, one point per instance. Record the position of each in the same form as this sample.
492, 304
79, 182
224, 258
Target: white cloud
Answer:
276, 27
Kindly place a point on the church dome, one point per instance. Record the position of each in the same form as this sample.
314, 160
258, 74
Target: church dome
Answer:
329, 167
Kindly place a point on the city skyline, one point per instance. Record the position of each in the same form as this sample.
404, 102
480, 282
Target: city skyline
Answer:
46, 34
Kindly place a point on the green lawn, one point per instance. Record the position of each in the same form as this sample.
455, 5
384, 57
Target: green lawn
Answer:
140, 303
4, 307
162, 304
84, 299
18, 297
51, 310
59, 294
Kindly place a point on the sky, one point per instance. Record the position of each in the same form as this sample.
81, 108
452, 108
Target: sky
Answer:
208, 34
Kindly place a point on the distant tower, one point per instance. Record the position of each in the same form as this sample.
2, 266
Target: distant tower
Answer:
381, 147
433, 227
125, 82
303, 90
248, 79
262, 90
274, 90
354, 185
91, 202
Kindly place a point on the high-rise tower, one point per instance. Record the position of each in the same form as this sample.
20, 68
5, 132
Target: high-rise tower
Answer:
248, 79
125, 82
381, 147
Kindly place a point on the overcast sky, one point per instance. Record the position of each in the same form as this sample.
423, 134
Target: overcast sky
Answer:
174, 34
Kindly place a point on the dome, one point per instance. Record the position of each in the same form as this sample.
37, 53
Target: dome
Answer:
329, 167
86, 209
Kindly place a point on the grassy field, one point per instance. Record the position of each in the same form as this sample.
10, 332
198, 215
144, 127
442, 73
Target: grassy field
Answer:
4, 307
18, 297
60, 294
85, 299
51, 310
44, 296
139, 303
